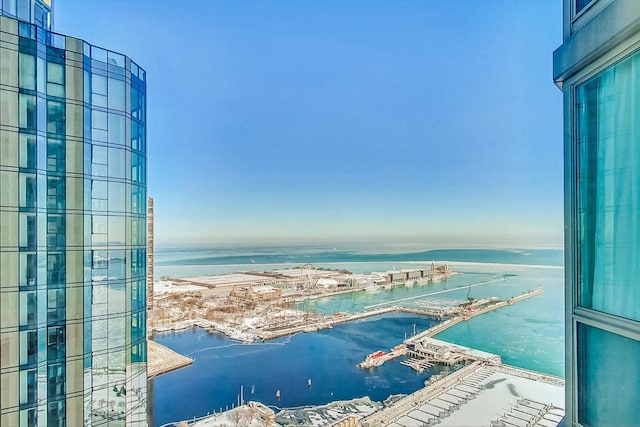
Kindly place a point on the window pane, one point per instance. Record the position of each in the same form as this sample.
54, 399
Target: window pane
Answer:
27, 111
581, 4
116, 94
27, 151
55, 79
27, 71
55, 117
24, 10
99, 90
608, 106
9, 6
116, 129
608, 372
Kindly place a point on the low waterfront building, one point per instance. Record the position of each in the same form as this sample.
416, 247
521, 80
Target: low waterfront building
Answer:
256, 293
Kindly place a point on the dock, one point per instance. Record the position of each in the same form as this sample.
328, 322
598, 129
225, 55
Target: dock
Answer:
424, 352
466, 315
162, 359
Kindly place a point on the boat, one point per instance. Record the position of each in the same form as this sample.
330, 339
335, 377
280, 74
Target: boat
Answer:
309, 382
373, 360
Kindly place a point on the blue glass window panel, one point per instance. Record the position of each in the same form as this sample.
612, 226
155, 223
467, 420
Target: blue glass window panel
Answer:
99, 90
99, 224
56, 274
55, 343
135, 103
29, 417
117, 95
56, 117
27, 111
99, 195
116, 163
28, 308
87, 87
42, 255
99, 120
99, 155
608, 108
116, 129
56, 196
98, 54
117, 333
116, 237
56, 154
41, 76
28, 269
581, 4
25, 29
55, 79
28, 347
24, 10
135, 135
99, 189
116, 59
28, 154
56, 381
608, 372
136, 167
27, 76
99, 158
40, 18
27, 234
116, 196
87, 127
136, 200
9, 6
56, 414
56, 307
56, 231
28, 190
99, 126
58, 41
28, 387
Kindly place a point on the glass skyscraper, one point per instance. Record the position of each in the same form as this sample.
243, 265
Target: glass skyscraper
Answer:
72, 227
598, 69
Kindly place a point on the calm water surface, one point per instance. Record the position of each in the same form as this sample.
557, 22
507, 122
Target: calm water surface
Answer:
528, 334
328, 357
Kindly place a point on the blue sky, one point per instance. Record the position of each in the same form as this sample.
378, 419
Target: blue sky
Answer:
276, 121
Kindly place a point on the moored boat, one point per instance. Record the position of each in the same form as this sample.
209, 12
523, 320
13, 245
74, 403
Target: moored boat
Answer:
373, 360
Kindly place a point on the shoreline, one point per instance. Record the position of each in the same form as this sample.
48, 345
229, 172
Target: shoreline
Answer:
177, 361
164, 360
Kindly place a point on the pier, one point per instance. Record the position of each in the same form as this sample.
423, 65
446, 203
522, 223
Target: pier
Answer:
424, 353
469, 314
163, 360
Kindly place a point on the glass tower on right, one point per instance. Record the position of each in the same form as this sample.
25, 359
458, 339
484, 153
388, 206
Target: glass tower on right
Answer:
598, 69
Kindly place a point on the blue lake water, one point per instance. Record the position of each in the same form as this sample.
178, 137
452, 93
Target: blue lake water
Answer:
529, 334
327, 357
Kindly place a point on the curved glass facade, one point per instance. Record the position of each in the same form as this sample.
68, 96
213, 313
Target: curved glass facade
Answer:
37, 12
72, 230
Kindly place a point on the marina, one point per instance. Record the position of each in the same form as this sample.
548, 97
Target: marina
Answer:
339, 309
